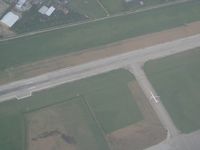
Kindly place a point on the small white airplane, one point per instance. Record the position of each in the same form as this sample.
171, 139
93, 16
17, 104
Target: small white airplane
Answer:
155, 98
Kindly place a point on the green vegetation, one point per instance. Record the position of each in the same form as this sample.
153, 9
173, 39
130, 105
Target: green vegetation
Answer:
73, 39
76, 120
88, 8
112, 101
32, 20
12, 126
105, 96
177, 81
118, 6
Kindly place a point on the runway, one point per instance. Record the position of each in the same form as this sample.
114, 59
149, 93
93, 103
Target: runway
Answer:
133, 61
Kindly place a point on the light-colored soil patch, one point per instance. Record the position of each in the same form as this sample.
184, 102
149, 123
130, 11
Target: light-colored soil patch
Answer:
3, 7
5, 31
143, 134
84, 56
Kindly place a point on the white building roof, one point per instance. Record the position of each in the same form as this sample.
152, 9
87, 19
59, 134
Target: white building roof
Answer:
10, 19
20, 3
50, 11
43, 9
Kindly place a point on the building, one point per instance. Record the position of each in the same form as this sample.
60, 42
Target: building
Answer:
46, 11
50, 11
43, 10
9, 19
20, 3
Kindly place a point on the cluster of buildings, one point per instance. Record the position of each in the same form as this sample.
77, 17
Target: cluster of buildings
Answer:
12, 17
46, 11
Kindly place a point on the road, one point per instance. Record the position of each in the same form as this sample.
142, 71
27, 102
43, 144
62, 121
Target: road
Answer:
131, 60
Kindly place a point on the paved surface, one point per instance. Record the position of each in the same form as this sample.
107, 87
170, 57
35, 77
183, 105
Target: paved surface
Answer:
96, 67
181, 142
132, 61
158, 107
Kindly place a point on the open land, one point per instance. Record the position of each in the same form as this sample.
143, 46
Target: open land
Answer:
3, 7
67, 125
12, 70
96, 110
5, 32
73, 39
89, 8
78, 11
131, 60
51, 64
177, 81
118, 6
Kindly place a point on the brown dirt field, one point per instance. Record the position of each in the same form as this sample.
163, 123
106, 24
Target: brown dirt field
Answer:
143, 134
51, 64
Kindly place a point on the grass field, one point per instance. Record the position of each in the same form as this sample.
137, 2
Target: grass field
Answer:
177, 81
118, 6
69, 124
73, 39
93, 103
89, 8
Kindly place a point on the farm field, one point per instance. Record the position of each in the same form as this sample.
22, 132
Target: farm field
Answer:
73, 39
177, 81
118, 6
68, 125
86, 114
88, 8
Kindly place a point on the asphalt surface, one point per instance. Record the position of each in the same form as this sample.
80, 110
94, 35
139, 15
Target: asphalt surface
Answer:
132, 61
96, 67
158, 107
181, 142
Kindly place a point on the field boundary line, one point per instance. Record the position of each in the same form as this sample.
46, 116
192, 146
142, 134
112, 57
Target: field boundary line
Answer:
103, 7
53, 104
26, 131
95, 119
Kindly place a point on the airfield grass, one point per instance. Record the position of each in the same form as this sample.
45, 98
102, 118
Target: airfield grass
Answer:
118, 6
177, 81
71, 118
93, 34
107, 97
89, 8
73, 39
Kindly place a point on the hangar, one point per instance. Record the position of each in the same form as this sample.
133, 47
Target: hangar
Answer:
10, 19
